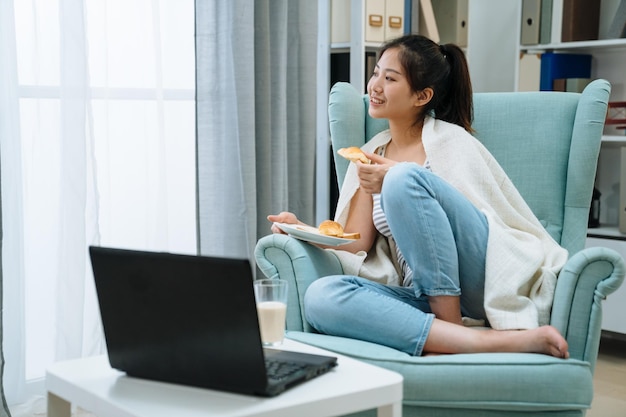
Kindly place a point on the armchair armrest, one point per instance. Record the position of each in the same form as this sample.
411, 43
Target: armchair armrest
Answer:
298, 262
585, 281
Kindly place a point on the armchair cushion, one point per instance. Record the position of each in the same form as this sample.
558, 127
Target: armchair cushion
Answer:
497, 381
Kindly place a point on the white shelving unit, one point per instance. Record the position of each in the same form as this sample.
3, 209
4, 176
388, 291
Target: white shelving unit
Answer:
608, 62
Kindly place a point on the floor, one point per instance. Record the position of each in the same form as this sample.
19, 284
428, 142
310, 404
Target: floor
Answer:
610, 379
609, 385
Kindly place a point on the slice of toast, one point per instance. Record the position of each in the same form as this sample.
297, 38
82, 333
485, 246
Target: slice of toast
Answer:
353, 154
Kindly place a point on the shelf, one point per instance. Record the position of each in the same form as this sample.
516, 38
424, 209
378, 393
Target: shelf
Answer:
614, 139
606, 232
345, 47
582, 46
340, 46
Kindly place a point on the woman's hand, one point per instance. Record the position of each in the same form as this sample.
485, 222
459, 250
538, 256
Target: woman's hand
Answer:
371, 176
283, 217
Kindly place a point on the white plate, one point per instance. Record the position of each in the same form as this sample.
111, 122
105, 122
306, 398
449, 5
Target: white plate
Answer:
311, 234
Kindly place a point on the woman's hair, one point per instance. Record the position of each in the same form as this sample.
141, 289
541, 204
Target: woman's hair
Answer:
442, 68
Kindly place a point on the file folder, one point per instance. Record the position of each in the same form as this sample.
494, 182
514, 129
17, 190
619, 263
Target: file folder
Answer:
340, 21
394, 19
581, 20
374, 21
531, 14
427, 22
618, 25
545, 22
451, 17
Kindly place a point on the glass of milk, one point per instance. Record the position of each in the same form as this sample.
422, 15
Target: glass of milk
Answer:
271, 304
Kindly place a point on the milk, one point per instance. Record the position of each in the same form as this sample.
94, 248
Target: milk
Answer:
272, 316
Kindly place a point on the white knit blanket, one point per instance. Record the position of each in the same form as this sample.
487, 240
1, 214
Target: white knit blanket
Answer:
522, 258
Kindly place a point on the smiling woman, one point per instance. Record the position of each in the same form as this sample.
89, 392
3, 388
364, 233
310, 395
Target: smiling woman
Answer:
101, 151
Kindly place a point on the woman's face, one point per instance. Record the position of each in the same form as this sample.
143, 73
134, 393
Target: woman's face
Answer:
389, 91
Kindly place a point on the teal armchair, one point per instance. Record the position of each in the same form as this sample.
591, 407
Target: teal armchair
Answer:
548, 143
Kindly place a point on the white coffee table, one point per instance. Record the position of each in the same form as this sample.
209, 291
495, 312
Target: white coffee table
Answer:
93, 385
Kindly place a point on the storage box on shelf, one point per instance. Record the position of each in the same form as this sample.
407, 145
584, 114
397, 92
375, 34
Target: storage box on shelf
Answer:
384, 19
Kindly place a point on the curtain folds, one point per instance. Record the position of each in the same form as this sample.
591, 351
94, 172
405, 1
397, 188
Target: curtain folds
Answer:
255, 112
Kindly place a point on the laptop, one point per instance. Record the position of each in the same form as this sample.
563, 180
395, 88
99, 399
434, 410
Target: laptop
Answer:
191, 320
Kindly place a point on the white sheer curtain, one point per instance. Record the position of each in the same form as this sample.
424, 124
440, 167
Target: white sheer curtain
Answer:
101, 150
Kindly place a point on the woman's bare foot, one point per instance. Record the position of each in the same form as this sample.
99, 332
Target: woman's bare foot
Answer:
445, 337
544, 339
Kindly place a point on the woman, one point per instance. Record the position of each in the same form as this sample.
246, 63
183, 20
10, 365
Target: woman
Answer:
436, 206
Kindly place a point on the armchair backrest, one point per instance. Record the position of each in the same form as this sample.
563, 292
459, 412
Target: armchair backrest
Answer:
547, 142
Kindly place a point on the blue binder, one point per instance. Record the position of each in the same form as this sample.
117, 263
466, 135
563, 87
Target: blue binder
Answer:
555, 66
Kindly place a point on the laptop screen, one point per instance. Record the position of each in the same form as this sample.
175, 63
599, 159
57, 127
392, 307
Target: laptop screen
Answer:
179, 318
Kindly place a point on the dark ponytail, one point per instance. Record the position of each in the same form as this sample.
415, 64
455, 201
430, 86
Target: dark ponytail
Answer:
455, 104
442, 68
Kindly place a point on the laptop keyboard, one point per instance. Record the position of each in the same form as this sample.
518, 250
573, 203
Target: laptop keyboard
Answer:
280, 369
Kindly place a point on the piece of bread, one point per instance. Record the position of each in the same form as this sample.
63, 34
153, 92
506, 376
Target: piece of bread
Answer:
353, 154
330, 228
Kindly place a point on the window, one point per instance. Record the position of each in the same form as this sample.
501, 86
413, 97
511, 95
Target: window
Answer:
139, 148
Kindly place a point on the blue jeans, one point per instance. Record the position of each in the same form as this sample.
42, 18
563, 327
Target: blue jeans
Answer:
443, 238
